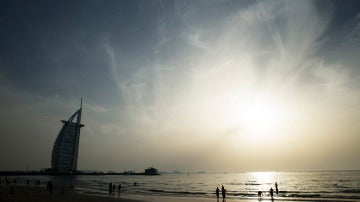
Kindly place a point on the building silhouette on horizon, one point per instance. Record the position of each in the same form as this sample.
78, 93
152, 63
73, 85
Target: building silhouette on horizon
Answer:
66, 147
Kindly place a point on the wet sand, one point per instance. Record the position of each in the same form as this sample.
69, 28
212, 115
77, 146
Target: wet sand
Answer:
40, 194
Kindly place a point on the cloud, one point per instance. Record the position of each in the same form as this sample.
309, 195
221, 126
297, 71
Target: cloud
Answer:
182, 80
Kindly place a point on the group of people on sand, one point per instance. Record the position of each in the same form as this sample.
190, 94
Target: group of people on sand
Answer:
271, 191
223, 192
112, 188
49, 185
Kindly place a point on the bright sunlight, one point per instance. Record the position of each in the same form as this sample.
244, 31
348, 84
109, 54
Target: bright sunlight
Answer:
265, 116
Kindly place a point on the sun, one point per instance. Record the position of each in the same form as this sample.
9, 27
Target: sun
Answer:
259, 117
264, 116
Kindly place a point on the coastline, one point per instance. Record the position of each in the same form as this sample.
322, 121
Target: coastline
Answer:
35, 194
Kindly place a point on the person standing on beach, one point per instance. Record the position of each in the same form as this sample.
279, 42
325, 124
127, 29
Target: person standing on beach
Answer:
223, 191
217, 192
119, 187
50, 187
272, 193
276, 188
113, 189
110, 188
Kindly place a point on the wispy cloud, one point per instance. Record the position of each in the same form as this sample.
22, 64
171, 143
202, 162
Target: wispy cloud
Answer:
189, 73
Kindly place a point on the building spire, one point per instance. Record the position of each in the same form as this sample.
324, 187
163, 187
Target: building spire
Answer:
81, 103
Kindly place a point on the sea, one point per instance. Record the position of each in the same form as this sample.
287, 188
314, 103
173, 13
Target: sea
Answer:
292, 186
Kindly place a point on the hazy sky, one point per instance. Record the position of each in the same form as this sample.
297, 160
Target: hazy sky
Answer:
189, 85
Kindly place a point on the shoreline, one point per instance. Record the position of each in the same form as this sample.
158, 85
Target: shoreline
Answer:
33, 194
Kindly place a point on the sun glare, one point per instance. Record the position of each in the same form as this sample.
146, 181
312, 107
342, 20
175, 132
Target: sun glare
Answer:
259, 117
264, 179
263, 117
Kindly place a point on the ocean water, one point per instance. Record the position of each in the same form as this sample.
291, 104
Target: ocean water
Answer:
332, 185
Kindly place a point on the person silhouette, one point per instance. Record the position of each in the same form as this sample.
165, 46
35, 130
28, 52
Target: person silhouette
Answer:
223, 191
50, 187
276, 188
272, 193
119, 188
113, 188
110, 188
217, 192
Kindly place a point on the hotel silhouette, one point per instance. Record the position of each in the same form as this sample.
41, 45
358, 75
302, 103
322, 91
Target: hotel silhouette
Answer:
65, 151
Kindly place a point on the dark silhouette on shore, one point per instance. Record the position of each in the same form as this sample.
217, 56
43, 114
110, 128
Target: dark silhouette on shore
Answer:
37, 183
119, 188
223, 191
217, 192
113, 188
272, 193
110, 188
276, 188
11, 190
49, 187
259, 194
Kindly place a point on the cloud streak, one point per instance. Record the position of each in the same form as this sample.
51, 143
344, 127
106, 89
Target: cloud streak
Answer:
187, 79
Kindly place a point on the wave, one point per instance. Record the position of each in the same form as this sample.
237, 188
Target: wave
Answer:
252, 184
350, 191
177, 192
304, 195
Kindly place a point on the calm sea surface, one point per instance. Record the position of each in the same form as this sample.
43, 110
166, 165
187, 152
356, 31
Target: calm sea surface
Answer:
292, 185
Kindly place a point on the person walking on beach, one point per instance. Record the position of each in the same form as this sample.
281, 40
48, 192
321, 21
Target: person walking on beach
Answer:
50, 187
110, 188
217, 192
119, 188
11, 190
272, 193
276, 188
223, 191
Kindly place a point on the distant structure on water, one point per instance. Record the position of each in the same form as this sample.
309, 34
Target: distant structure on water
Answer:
151, 171
65, 151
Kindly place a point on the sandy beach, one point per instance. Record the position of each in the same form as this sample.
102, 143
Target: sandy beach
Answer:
40, 194
31, 193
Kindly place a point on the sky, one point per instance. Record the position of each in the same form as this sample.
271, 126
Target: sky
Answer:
215, 86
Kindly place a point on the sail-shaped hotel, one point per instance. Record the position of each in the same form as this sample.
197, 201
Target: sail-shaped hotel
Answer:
65, 151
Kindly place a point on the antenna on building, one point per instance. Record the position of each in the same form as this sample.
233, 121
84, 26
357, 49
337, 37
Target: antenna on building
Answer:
81, 104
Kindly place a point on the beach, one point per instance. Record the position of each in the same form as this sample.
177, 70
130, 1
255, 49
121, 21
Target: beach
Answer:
40, 194
31, 193
36, 194
293, 186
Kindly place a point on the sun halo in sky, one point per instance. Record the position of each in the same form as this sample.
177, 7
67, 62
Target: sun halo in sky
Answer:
262, 117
